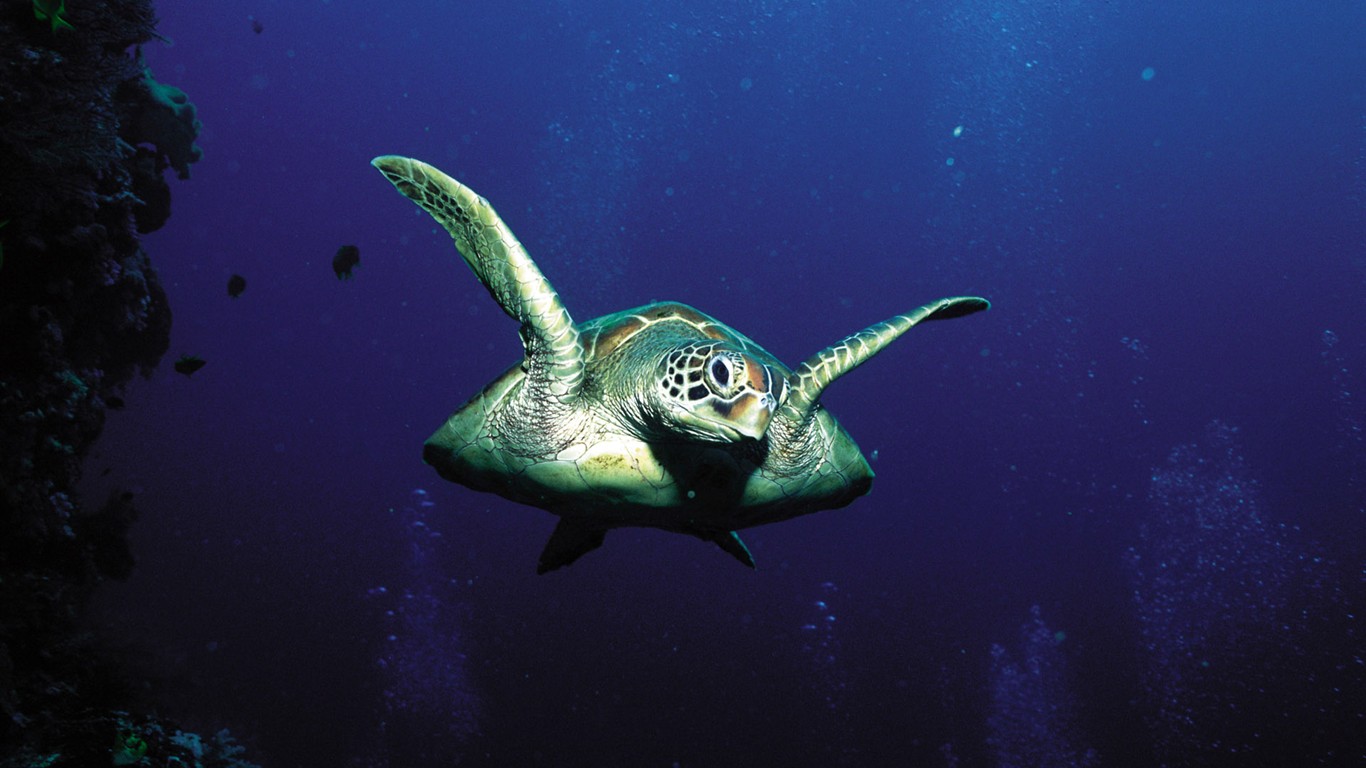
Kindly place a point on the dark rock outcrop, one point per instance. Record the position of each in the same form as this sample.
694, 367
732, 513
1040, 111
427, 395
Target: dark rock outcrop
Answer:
86, 133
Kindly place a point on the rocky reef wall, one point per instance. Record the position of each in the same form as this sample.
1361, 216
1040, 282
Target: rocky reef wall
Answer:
86, 135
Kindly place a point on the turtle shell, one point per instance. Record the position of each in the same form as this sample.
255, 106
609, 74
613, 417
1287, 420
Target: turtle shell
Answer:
607, 470
605, 335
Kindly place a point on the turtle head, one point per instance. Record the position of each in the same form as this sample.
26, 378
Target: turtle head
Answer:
716, 393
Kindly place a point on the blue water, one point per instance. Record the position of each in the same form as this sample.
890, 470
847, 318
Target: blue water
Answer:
1119, 520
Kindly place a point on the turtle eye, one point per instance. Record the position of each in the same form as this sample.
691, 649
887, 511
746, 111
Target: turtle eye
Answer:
726, 373
720, 372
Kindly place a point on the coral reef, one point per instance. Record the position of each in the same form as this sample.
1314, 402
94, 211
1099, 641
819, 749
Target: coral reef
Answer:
85, 134
122, 739
159, 122
161, 115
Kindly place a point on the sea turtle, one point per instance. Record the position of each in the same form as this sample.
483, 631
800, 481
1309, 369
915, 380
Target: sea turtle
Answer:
659, 416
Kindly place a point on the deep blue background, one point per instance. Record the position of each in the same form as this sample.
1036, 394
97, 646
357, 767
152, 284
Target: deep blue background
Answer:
1162, 254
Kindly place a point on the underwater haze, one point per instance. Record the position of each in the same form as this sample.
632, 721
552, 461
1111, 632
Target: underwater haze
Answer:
1118, 520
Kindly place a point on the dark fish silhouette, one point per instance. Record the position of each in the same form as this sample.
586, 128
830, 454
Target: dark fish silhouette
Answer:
114, 402
257, 26
348, 256
236, 284
188, 364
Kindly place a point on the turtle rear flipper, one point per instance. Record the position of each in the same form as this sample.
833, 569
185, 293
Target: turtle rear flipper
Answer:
555, 356
734, 546
570, 541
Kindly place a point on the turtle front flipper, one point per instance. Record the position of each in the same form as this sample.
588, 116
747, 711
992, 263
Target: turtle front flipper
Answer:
555, 355
811, 378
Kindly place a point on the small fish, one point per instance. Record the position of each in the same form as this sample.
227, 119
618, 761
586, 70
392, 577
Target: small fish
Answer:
114, 402
236, 284
257, 26
51, 10
348, 256
188, 364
